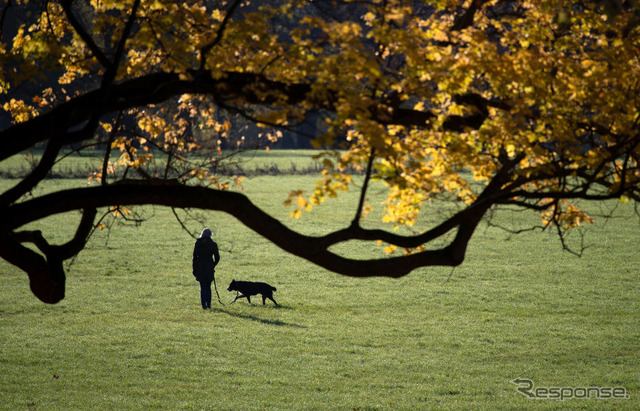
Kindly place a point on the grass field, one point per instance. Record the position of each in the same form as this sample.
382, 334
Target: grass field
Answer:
130, 333
255, 162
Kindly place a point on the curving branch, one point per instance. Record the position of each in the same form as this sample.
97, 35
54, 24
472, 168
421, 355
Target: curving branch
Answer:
46, 281
47, 276
3, 16
84, 35
39, 172
46, 273
313, 249
119, 52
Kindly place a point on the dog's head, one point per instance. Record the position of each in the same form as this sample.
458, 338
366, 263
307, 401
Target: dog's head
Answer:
232, 286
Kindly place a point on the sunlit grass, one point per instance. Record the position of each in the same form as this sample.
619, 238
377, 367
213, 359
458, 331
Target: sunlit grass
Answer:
130, 333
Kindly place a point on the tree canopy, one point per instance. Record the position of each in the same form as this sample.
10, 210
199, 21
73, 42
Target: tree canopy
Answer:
527, 104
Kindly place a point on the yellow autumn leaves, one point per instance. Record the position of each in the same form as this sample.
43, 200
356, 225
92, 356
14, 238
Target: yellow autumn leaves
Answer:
553, 86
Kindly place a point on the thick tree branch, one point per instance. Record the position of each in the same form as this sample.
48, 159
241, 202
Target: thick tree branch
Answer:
313, 249
46, 273
44, 166
77, 243
46, 279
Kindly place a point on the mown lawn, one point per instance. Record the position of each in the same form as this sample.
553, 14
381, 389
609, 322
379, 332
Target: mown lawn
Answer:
130, 333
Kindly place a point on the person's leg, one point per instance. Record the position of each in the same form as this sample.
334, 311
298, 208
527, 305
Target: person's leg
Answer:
205, 294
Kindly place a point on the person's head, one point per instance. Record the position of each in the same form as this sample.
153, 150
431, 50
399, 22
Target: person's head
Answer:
205, 233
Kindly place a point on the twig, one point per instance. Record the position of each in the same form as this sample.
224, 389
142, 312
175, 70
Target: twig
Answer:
207, 48
367, 177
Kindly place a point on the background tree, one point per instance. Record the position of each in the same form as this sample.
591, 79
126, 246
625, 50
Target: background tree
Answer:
532, 105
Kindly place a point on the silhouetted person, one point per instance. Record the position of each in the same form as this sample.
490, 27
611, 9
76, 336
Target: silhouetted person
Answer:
204, 265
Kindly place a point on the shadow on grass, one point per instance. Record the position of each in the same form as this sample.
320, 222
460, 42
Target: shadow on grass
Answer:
258, 319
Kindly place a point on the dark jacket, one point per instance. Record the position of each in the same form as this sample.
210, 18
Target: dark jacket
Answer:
203, 264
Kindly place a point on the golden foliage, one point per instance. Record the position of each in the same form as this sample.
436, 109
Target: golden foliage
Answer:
549, 84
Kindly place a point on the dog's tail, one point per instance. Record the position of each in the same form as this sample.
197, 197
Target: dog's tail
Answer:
273, 288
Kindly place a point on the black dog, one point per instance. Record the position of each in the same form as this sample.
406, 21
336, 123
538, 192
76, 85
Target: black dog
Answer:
249, 288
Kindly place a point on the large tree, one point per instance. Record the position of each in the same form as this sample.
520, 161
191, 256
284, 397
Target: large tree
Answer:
532, 105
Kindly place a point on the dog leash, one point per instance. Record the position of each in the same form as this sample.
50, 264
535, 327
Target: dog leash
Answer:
215, 287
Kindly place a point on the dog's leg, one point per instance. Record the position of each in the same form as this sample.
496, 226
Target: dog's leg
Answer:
263, 299
274, 301
248, 299
238, 296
